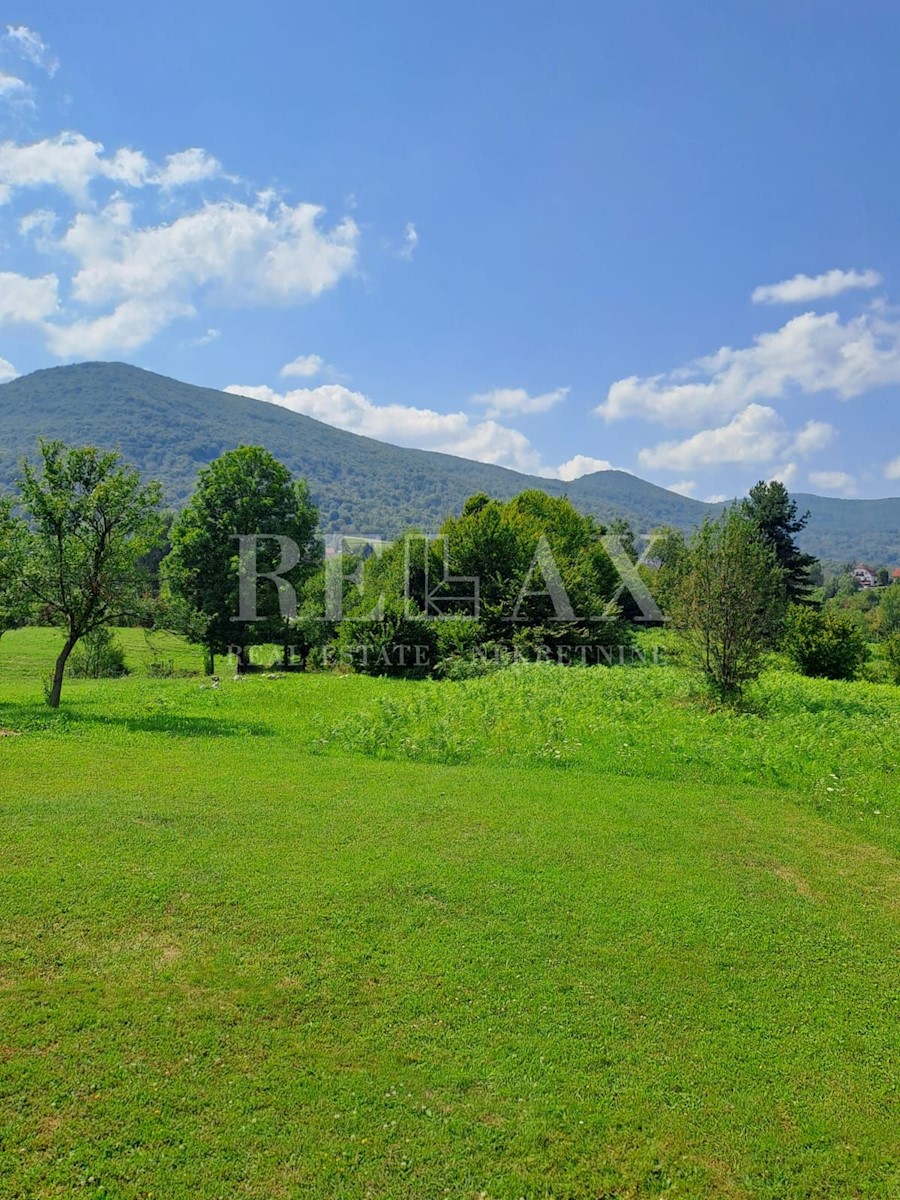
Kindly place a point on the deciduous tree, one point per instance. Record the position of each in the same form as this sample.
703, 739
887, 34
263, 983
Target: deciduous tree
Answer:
728, 601
92, 521
245, 492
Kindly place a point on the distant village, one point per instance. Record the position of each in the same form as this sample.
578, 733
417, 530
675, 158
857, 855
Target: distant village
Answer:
870, 577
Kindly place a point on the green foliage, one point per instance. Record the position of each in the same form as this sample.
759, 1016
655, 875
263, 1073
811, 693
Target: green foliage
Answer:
669, 560
243, 492
772, 510
97, 656
398, 643
13, 556
890, 653
93, 522
889, 611
728, 602
545, 585
825, 644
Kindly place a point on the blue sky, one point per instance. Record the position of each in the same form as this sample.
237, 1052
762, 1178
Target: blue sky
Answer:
659, 237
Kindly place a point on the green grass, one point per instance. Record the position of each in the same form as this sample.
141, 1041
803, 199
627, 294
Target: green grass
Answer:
259, 941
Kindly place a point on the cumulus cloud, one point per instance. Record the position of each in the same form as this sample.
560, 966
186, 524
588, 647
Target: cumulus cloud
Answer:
249, 255
811, 354
455, 433
187, 166
128, 327
685, 487
892, 470
834, 481
785, 474
803, 288
126, 280
756, 435
32, 47
7, 371
718, 498
406, 425
27, 300
305, 366
507, 401
578, 465
69, 161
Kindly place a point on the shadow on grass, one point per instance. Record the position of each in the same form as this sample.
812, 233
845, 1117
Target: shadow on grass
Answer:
34, 717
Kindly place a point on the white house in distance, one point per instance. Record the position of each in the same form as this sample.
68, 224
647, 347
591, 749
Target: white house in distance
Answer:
864, 576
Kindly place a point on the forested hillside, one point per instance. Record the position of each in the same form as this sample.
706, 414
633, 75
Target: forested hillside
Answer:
171, 429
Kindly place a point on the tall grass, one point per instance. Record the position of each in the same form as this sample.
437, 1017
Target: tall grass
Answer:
836, 744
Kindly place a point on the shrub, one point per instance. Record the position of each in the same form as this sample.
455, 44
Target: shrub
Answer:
97, 656
397, 644
483, 660
829, 645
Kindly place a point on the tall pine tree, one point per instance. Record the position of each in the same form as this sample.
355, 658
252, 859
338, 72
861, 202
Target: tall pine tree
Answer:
770, 507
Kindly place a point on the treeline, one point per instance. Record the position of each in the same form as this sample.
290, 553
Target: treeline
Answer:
84, 545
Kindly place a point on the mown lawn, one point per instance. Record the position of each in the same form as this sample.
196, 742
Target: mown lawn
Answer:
261, 941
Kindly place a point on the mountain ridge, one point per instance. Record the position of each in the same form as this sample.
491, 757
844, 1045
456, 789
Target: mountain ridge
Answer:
170, 429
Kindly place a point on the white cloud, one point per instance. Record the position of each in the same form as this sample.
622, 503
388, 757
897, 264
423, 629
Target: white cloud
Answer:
188, 166
31, 46
686, 487
42, 221
423, 428
785, 474
249, 255
892, 470
130, 279
756, 435
812, 353
718, 498
404, 425
410, 241
131, 325
13, 88
803, 288
7, 371
815, 435
206, 339
505, 401
834, 481
580, 464
69, 161
304, 366
27, 300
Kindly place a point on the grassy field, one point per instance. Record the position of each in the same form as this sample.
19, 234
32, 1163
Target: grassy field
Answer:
555, 934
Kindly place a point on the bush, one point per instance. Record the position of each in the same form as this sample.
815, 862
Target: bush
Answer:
97, 656
826, 645
398, 644
483, 660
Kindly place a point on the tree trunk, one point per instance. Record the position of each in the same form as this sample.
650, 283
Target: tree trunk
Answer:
58, 672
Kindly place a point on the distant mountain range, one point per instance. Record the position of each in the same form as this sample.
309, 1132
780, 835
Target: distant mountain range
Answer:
170, 429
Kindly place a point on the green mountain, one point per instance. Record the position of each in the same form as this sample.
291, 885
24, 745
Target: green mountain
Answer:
170, 429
